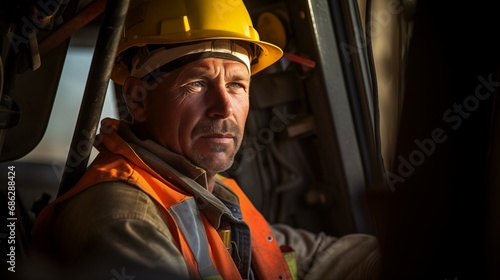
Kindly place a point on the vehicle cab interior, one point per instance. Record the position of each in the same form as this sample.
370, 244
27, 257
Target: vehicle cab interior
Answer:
382, 117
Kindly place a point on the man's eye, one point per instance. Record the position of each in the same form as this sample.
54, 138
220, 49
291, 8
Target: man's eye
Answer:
195, 84
236, 85
237, 88
194, 87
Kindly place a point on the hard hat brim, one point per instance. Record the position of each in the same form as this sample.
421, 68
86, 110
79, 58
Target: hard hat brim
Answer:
269, 55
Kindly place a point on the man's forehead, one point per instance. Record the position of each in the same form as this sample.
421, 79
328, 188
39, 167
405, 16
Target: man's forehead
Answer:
214, 66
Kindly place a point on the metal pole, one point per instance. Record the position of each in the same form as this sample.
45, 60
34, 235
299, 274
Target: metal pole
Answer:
89, 13
94, 95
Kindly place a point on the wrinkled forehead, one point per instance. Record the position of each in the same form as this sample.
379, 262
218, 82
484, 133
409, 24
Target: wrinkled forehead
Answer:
212, 68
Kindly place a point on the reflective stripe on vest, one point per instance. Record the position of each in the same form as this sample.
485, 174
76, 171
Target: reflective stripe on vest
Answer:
188, 219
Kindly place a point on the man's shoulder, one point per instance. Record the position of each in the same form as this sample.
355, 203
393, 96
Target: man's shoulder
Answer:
110, 201
108, 226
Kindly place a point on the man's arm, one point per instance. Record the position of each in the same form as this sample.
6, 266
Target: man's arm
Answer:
319, 256
114, 230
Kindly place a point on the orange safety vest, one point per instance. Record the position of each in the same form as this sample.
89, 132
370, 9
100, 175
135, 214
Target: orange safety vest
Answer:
119, 162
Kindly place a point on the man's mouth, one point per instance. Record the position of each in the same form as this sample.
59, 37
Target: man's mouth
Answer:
218, 138
217, 134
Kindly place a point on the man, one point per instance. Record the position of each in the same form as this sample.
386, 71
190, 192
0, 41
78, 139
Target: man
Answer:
152, 204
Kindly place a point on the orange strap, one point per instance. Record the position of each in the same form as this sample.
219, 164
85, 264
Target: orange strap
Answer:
267, 259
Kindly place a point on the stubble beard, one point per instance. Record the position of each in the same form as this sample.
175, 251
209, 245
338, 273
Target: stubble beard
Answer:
206, 161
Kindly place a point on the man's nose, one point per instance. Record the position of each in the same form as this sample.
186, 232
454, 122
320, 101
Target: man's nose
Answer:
219, 103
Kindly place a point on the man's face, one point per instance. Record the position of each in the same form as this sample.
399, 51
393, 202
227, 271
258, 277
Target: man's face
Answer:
200, 110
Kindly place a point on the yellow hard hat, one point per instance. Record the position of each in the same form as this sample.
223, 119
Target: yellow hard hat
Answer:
184, 21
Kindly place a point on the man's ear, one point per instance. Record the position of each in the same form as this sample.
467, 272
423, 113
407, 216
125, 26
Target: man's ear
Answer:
135, 96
